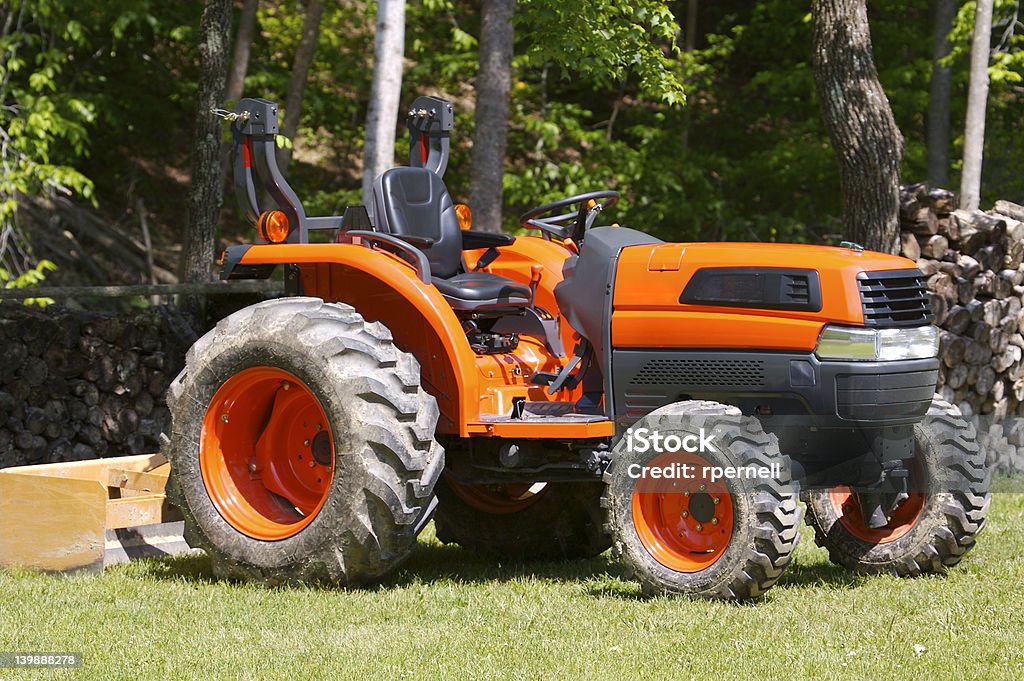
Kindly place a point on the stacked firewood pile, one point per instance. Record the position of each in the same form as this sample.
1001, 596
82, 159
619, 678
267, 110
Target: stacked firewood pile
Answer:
973, 261
80, 385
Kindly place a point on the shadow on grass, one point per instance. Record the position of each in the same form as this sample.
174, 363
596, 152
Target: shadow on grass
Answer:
431, 563
435, 563
189, 567
819, 574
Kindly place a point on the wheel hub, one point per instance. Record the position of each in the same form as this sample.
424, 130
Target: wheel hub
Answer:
686, 525
322, 450
702, 507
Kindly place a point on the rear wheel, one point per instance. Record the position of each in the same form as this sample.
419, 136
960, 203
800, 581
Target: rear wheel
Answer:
302, 446
522, 521
694, 534
934, 527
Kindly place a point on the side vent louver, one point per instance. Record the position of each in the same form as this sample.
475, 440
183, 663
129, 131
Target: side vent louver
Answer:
729, 373
796, 290
764, 288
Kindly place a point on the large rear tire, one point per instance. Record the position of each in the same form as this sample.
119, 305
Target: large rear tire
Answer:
694, 536
935, 527
302, 446
522, 522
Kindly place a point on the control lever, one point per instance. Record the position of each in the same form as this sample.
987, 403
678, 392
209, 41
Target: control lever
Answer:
535, 272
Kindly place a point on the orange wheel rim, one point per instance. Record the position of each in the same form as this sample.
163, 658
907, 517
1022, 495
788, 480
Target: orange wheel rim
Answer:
266, 453
498, 499
684, 524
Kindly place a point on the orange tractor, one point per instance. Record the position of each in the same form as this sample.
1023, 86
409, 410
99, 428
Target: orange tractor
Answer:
557, 394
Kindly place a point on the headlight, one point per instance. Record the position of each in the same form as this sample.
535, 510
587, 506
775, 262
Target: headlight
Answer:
877, 345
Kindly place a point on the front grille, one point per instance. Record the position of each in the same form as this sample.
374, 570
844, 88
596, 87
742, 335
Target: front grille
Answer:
894, 298
719, 373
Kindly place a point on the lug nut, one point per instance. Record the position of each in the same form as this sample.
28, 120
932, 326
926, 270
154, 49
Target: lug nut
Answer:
224, 418
686, 493
685, 514
312, 463
700, 527
714, 521
286, 385
717, 500
306, 442
319, 427
703, 487
252, 468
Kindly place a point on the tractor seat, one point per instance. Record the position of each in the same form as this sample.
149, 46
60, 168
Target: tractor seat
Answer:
415, 202
481, 290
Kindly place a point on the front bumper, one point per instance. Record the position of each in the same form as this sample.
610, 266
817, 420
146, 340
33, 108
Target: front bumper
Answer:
833, 393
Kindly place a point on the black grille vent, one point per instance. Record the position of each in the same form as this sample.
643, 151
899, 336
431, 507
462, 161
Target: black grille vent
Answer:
796, 290
728, 373
896, 298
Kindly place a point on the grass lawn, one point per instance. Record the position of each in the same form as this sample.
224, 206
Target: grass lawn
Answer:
450, 614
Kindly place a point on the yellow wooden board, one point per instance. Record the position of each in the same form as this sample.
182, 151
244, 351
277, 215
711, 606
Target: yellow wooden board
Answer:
54, 517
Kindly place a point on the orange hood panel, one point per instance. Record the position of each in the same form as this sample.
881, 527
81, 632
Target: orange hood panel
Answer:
650, 278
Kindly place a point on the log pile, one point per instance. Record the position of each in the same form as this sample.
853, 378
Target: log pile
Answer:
80, 385
974, 262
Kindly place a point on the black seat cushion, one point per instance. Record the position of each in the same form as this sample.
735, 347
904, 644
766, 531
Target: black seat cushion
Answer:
480, 291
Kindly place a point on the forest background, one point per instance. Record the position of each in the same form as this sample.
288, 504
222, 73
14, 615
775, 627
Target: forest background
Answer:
702, 114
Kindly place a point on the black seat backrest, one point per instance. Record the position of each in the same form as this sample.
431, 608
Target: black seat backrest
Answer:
415, 202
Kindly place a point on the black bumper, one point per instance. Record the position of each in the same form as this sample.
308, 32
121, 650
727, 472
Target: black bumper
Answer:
833, 393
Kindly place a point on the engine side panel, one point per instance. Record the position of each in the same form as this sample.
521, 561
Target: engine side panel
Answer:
782, 384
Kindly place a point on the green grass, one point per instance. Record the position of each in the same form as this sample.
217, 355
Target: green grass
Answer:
450, 614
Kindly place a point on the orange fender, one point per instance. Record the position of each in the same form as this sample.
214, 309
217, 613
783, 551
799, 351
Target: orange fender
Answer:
384, 288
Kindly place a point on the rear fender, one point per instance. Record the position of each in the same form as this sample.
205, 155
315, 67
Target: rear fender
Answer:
384, 288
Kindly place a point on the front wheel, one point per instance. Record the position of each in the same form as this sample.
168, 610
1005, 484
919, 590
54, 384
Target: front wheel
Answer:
718, 522
930, 531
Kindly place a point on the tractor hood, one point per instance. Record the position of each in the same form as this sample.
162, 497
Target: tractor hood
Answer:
628, 289
753, 295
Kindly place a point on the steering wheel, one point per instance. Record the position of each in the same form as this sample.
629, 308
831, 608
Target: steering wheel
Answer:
574, 223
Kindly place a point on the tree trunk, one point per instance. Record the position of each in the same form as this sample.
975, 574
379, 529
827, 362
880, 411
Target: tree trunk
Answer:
938, 96
385, 92
690, 44
240, 55
300, 73
977, 98
865, 139
205, 193
236, 74
493, 83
